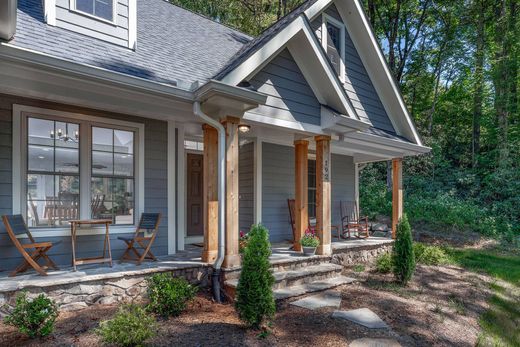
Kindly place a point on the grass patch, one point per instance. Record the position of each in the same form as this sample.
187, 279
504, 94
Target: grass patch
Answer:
359, 268
500, 323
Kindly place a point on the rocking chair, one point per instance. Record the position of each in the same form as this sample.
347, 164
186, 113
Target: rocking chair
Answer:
352, 222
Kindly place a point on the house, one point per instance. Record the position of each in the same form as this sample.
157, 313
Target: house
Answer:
112, 108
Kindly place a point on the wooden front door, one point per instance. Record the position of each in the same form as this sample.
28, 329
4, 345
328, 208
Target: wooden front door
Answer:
195, 191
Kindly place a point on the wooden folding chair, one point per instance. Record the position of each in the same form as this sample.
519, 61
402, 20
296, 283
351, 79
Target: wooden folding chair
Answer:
352, 222
15, 225
149, 223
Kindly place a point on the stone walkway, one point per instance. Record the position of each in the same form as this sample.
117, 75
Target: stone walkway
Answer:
362, 316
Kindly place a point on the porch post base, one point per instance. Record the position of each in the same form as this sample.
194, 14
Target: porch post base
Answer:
209, 256
232, 261
324, 250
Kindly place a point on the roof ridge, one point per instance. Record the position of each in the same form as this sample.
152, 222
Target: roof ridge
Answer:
210, 19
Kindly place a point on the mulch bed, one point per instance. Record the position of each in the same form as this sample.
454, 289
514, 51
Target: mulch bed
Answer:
440, 307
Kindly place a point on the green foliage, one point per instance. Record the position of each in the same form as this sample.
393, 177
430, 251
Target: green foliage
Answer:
169, 295
254, 294
384, 263
402, 252
131, 326
35, 317
359, 268
429, 255
310, 240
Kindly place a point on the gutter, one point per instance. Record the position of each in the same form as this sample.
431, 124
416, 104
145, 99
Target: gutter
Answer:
215, 277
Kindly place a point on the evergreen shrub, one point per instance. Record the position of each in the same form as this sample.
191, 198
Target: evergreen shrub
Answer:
169, 295
254, 294
34, 318
402, 253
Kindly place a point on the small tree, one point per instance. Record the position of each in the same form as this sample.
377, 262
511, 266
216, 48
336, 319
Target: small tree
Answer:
403, 256
254, 296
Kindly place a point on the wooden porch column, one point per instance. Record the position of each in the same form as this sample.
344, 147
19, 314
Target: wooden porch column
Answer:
210, 194
301, 223
397, 193
323, 196
232, 257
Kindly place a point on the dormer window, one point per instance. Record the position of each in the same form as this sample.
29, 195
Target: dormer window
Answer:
333, 41
102, 9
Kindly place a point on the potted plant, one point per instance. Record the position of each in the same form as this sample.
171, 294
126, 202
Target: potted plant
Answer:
309, 242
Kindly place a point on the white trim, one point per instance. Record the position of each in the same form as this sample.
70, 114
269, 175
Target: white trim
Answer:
171, 187
84, 230
132, 24
181, 189
286, 38
356, 183
257, 180
368, 48
50, 12
324, 40
19, 153
72, 8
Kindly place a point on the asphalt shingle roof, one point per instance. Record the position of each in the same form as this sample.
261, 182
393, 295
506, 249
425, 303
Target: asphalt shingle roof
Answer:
174, 46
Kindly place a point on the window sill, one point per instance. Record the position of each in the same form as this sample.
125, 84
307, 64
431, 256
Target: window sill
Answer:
94, 17
83, 231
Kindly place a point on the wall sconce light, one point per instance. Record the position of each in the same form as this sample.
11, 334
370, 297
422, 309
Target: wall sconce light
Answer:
244, 128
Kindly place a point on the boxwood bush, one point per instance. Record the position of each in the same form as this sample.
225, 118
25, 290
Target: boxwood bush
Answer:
131, 326
169, 295
35, 317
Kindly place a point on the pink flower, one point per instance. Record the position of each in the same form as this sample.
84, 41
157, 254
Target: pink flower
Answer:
242, 233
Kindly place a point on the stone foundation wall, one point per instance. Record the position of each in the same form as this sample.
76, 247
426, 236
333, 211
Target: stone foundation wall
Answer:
71, 297
363, 255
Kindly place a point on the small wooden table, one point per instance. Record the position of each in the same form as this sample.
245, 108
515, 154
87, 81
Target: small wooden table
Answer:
106, 244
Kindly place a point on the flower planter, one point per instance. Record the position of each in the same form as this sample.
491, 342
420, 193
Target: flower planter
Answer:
309, 251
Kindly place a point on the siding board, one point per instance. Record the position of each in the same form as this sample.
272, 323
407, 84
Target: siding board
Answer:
246, 186
156, 178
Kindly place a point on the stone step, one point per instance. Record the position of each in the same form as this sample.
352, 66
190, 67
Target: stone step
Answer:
316, 286
299, 276
297, 262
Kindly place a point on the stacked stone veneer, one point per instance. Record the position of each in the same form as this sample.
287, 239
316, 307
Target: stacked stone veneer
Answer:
75, 296
360, 255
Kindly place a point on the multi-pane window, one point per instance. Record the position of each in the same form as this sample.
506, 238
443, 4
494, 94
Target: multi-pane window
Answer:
112, 178
333, 40
334, 35
52, 172
103, 9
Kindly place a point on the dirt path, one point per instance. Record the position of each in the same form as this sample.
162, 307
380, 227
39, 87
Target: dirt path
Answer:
439, 308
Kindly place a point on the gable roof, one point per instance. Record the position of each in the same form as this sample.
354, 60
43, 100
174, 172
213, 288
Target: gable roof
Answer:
175, 46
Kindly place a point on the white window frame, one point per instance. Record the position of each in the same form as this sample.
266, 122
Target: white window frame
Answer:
19, 173
324, 37
72, 6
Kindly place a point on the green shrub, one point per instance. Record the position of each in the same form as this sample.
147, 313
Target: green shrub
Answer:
384, 263
402, 253
254, 295
429, 255
131, 326
36, 317
169, 295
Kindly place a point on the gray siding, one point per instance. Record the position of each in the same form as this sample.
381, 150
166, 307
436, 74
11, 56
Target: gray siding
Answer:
289, 96
358, 85
278, 186
156, 148
246, 186
74, 21
343, 184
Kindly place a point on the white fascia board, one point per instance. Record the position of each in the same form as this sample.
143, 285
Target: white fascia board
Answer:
14, 53
132, 24
368, 48
383, 142
375, 63
266, 53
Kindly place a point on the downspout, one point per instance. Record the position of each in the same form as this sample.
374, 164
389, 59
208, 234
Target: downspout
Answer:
215, 277
7, 19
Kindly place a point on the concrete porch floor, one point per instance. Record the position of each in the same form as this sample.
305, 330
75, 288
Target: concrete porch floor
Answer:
189, 258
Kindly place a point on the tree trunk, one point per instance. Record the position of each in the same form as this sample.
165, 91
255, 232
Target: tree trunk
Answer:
479, 80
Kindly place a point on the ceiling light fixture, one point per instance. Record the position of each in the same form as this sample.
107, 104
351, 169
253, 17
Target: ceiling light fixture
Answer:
244, 128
